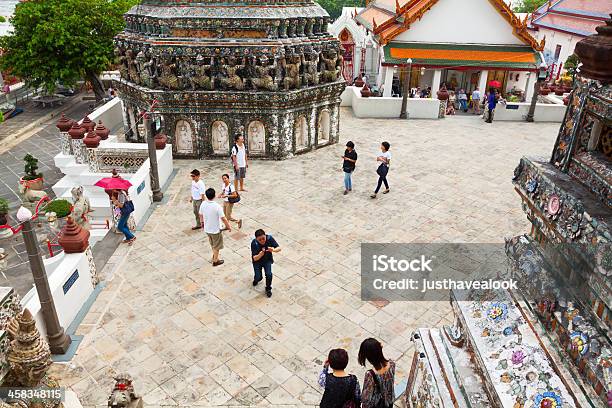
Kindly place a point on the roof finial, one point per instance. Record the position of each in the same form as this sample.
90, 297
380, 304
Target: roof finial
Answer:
397, 7
374, 23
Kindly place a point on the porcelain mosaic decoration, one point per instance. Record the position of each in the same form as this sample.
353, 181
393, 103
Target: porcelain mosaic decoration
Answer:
215, 71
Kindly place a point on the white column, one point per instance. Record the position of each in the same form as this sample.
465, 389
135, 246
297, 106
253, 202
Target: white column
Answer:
388, 81
482, 82
435, 83
529, 87
357, 61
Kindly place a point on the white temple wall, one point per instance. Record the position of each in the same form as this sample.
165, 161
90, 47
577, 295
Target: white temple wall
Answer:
452, 21
69, 294
544, 112
111, 114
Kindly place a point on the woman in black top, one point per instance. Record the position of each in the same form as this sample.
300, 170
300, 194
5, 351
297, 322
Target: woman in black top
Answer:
348, 166
340, 388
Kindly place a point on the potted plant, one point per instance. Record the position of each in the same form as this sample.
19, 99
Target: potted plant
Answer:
4, 210
62, 208
32, 178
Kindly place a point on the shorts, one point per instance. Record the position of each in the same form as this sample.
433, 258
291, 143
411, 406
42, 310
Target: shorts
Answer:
240, 173
216, 241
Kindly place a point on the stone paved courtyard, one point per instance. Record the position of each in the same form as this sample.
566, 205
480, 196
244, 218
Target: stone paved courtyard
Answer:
192, 335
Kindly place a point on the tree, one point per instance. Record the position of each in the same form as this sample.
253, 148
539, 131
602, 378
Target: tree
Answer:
528, 6
63, 41
334, 7
571, 64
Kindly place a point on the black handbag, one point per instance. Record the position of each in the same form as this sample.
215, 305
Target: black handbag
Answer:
233, 200
382, 403
382, 170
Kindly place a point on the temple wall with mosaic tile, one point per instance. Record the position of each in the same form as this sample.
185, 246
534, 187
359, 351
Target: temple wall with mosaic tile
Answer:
217, 72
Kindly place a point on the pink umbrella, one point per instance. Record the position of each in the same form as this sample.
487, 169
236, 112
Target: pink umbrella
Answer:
113, 183
495, 84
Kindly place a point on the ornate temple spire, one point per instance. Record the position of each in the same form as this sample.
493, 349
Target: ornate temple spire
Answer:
29, 354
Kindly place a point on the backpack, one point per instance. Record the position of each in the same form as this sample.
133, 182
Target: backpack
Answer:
234, 146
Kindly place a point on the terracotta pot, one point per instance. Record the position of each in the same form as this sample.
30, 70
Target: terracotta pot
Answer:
88, 124
76, 131
365, 91
64, 124
544, 91
36, 184
92, 140
559, 92
73, 238
102, 131
566, 100
358, 82
567, 88
160, 141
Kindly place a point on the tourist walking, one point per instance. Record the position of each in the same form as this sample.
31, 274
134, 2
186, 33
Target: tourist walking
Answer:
348, 166
122, 201
463, 100
383, 168
341, 389
378, 390
262, 248
211, 213
198, 191
491, 102
230, 197
240, 162
476, 101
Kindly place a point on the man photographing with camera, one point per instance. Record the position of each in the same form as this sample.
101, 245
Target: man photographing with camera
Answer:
262, 248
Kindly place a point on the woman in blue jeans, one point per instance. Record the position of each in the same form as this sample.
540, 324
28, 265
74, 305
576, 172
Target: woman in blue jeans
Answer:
119, 198
348, 166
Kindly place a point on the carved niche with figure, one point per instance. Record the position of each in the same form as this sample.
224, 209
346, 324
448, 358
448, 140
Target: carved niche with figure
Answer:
257, 137
184, 137
220, 137
301, 133
324, 128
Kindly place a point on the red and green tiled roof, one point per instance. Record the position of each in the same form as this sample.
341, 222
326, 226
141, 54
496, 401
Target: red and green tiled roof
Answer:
462, 56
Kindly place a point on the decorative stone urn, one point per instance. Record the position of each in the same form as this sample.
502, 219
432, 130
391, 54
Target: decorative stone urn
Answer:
358, 82
64, 124
92, 140
76, 131
365, 91
160, 141
73, 239
102, 131
595, 53
88, 124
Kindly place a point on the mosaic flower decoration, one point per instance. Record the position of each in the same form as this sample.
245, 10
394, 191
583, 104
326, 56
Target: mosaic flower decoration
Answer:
517, 357
548, 399
531, 186
508, 331
497, 312
580, 342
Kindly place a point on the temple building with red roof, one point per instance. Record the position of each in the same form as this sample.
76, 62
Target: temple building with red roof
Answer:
565, 22
463, 44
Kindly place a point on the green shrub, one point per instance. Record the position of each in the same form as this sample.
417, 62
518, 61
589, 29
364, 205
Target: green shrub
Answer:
60, 207
31, 167
4, 206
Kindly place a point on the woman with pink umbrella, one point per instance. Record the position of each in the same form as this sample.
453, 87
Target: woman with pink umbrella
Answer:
117, 187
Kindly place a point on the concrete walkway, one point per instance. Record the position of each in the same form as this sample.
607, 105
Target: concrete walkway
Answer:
194, 335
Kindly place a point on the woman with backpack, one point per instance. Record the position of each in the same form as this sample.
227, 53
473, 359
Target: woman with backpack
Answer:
122, 201
378, 384
341, 389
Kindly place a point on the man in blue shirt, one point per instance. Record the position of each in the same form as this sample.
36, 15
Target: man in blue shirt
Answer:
491, 101
262, 248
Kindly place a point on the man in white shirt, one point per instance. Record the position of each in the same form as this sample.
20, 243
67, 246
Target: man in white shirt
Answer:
240, 161
210, 214
198, 189
476, 101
